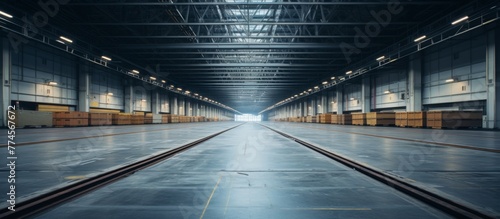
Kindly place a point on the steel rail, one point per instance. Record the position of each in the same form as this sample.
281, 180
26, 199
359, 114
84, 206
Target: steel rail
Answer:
48, 200
92, 136
454, 208
416, 140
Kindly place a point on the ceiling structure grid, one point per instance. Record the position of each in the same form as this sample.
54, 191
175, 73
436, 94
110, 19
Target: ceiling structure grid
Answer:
246, 54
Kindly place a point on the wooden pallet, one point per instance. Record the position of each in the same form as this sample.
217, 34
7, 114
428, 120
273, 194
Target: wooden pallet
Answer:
381, 119
33, 127
454, 119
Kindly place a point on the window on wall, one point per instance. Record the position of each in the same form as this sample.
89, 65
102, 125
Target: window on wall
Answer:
248, 118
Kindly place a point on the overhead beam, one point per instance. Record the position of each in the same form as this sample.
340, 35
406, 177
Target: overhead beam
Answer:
153, 52
233, 59
246, 37
252, 64
247, 3
250, 75
268, 69
249, 84
197, 46
233, 23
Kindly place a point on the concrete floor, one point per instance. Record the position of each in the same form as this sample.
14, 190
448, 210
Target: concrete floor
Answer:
46, 166
248, 172
465, 175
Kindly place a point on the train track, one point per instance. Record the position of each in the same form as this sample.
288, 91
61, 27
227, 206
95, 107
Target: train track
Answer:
92, 136
415, 140
454, 208
48, 200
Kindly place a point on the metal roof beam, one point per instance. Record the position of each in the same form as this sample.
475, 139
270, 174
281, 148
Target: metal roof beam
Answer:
247, 37
235, 23
233, 53
251, 64
267, 69
228, 46
232, 59
247, 3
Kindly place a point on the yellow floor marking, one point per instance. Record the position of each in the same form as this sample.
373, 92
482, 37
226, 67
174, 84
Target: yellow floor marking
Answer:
75, 177
331, 209
228, 196
210, 198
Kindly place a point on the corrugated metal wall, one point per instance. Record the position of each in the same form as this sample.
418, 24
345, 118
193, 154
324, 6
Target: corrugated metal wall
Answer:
164, 103
332, 101
33, 67
101, 84
390, 89
465, 62
352, 97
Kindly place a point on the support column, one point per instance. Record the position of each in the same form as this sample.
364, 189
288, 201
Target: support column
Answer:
340, 100
324, 103
188, 110
365, 95
6, 82
155, 101
497, 81
182, 106
195, 109
297, 110
84, 87
129, 99
414, 99
306, 108
331, 101
492, 82
314, 104
173, 106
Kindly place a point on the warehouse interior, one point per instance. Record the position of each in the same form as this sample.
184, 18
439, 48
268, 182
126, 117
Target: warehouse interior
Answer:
250, 108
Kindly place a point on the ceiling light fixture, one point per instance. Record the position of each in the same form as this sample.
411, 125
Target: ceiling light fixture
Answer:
106, 58
5, 14
460, 20
420, 38
348, 73
66, 39
380, 58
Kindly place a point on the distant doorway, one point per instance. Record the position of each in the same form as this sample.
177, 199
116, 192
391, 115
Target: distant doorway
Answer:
248, 118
